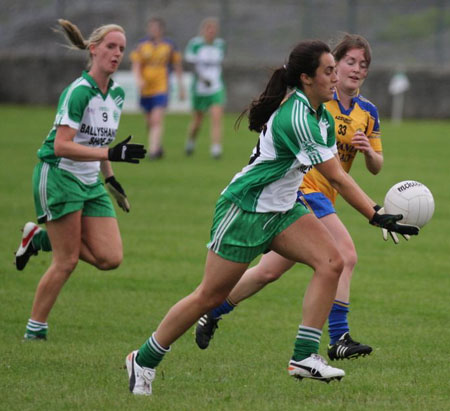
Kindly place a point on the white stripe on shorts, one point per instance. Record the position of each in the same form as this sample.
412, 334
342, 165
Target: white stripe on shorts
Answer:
43, 191
230, 215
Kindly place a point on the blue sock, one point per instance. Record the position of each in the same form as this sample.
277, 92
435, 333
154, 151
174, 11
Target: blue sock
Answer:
226, 307
337, 320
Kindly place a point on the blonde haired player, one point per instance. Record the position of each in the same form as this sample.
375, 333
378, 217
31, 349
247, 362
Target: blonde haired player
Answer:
69, 196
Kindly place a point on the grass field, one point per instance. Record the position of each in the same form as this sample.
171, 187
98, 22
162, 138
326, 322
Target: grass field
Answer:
400, 294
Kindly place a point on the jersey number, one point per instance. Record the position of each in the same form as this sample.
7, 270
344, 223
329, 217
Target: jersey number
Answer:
105, 117
342, 129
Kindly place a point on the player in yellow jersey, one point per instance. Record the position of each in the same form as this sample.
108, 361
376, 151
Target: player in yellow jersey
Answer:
357, 130
152, 61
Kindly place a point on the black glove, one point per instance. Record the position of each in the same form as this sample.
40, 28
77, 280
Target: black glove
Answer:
389, 222
126, 152
118, 193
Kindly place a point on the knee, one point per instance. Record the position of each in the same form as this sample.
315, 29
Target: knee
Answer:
208, 301
66, 265
268, 276
332, 266
109, 263
350, 259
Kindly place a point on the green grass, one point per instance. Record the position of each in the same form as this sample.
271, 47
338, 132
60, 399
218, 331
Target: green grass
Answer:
400, 294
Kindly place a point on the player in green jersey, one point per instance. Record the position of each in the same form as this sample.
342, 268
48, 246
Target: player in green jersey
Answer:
206, 53
357, 130
69, 197
258, 211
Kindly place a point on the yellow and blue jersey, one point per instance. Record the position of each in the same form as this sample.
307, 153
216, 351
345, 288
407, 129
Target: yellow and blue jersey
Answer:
362, 115
156, 61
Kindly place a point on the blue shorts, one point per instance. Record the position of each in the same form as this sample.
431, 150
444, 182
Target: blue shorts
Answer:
319, 203
158, 100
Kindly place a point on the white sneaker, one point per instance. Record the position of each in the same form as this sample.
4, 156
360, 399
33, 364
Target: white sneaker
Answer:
314, 367
26, 248
216, 151
140, 377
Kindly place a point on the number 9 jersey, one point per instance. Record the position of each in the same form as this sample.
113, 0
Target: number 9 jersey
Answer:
362, 115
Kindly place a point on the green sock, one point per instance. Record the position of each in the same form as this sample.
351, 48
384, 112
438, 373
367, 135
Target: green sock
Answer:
41, 241
306, 343
151, 353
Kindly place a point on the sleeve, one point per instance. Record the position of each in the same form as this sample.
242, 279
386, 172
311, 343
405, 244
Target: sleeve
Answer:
190, 53
135, 55
72, 108
175, 57
373, 130
304, 138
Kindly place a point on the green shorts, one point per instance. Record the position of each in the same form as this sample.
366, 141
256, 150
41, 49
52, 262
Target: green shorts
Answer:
203, 103
240, 236
57, 193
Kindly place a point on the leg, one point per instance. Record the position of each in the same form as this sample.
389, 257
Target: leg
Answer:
216, 130
155, 121
66, 249
308, 241
194, 128
101, 242
270, 268
341, 344
220, 277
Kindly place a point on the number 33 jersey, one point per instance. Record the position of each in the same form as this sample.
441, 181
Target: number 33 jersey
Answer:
362, 115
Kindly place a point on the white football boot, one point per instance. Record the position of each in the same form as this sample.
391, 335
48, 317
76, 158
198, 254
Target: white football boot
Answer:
314, 367
26, 248
141, 378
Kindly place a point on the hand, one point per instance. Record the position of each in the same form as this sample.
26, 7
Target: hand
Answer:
361, 141
129, 153
388, 224
118, 193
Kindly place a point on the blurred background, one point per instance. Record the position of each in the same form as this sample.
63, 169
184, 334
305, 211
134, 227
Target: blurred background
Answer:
408, 38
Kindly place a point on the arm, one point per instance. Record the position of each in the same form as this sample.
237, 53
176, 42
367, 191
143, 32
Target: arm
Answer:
374, 159
136, 69
178, 67
106, 169
344, 184
65, 147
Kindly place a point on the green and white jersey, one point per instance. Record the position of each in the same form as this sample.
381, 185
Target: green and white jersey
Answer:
95, 116
296, 138
207, 60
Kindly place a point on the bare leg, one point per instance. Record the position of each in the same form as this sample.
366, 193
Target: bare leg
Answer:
195, 124
216, 124
220, 277
155, 121
271, 267
66, 249
101, 242
308, 241
346, 247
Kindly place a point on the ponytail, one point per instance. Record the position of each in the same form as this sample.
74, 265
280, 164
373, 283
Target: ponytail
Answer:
270, 99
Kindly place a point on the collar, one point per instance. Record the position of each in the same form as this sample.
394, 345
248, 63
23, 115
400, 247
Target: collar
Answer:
92, 82
299, 93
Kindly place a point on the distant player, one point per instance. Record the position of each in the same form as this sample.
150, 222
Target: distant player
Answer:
69, 196
357, 130
152, 62
206, 53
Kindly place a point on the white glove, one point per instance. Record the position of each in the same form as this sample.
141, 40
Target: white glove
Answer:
118, 193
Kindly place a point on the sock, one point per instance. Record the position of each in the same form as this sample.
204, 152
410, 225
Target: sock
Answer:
337, 320
307, 342
36, 328
151, 353
41, 241
226, 307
